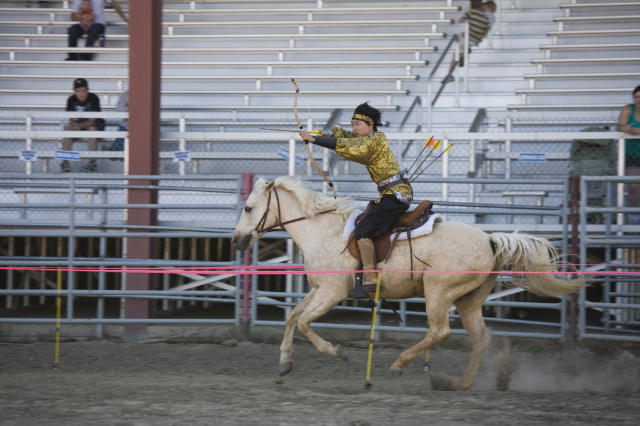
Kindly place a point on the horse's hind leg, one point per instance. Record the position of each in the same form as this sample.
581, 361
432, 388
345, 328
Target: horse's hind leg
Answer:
287, 342
326, 298
469, 307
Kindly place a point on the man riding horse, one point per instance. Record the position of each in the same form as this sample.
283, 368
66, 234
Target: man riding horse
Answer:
366, 145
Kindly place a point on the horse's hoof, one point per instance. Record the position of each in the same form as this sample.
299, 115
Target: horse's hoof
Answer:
342, 353
285, 368
394, 373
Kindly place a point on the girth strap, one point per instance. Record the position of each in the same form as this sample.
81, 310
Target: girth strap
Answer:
388, 305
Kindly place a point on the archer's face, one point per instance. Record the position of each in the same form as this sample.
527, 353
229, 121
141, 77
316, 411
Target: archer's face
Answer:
361, 128
636, 99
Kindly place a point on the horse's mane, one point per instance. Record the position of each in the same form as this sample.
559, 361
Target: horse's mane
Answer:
311, 202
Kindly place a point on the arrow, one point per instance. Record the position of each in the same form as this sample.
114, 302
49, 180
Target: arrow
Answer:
313, 132
434, 160
437, 144
429, 142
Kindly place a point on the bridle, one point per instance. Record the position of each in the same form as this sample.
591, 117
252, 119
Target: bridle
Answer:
263, 220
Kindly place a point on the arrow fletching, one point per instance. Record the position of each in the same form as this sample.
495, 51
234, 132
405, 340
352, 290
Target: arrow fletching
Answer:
430, 141
434, 160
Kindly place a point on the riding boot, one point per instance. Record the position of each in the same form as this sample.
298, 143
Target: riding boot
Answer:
370, 279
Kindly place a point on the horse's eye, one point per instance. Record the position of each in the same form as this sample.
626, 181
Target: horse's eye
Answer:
247, 209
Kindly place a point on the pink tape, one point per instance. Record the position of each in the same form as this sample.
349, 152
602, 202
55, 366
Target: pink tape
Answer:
274, 270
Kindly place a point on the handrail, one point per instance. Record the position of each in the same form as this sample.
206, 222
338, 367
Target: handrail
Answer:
431, 103
437, 65
475, 127
456, 63
416, 101
478, 120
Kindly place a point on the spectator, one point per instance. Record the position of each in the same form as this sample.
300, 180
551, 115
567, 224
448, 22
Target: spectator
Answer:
82, 100
489, 8
629, 122
478, 28
86, 15
123, 106
97, 28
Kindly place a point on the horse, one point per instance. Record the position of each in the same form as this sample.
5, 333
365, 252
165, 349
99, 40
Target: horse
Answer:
467, 260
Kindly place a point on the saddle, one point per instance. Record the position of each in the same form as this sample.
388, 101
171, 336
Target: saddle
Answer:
405, 223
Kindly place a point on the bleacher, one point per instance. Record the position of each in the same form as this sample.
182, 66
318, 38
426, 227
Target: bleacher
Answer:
226, 59
583, 74
546, 66
592, 61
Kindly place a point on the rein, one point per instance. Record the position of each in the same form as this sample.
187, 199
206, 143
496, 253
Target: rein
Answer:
259, 227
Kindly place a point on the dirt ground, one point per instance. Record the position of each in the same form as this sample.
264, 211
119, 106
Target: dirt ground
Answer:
111, 382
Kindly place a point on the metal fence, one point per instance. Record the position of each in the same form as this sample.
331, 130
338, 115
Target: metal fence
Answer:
194, 143
189, 207
618, 307
512, 312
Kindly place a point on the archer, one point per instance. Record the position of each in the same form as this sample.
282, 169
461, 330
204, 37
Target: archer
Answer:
365, 145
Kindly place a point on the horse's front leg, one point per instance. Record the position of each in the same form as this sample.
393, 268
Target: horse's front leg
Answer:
287, 342
327, 296
439, 331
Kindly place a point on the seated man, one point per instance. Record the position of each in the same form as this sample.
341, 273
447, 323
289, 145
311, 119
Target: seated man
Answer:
97, 28
82, 100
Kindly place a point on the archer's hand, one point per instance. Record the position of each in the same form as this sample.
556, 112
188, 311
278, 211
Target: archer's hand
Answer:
306, 136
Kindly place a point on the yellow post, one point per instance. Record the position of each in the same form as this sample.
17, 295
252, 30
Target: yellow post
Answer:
58, 308
367, 385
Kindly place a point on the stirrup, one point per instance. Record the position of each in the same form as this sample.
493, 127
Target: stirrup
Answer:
362, 291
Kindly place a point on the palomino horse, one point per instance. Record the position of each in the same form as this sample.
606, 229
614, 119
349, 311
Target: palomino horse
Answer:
315, 222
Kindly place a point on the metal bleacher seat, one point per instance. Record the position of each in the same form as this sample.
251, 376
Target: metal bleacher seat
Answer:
586, 72
292, 38
170, 26
594, 19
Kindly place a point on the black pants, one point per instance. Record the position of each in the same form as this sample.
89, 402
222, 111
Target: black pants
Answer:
380, 218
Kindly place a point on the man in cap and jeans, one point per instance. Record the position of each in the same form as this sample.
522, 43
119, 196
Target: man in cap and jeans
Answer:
82, 101
95, 31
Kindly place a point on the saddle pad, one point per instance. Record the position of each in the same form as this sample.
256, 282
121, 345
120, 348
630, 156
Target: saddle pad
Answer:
425, 229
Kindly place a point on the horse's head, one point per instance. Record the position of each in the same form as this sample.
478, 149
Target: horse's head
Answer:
253, 216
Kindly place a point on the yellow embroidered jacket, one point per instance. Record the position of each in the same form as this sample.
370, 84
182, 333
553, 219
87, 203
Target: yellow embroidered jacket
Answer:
374, 152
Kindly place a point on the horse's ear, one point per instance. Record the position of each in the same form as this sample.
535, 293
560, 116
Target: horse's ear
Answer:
269, 185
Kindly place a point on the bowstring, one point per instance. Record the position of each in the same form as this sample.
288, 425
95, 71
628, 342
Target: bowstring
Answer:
315, 124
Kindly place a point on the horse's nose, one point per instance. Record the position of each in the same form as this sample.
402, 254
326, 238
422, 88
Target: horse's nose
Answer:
239, 242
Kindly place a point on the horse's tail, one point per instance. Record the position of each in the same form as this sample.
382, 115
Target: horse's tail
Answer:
536, 258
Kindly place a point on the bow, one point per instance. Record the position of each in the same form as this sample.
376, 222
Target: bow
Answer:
295, 113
